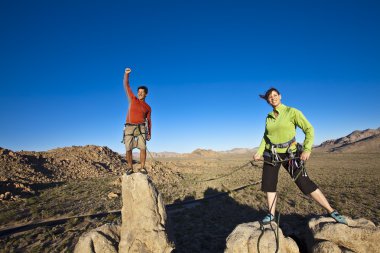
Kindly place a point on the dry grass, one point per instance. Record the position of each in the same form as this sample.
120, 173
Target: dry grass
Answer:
350, 182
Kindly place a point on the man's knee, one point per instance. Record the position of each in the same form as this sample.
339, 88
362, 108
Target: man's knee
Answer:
142, 148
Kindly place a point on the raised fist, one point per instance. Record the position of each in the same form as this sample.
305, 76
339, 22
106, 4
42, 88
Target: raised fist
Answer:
128, 70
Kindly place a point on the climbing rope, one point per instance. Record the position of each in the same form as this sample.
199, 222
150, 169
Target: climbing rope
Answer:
276, 235
230, 173
200, 181
292, 163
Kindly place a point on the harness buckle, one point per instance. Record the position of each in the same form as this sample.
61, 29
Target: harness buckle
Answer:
275, 157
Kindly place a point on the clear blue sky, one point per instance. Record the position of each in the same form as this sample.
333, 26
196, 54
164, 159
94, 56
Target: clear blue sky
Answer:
205, 62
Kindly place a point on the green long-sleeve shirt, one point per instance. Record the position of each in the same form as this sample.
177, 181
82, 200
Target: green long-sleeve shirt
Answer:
283, 128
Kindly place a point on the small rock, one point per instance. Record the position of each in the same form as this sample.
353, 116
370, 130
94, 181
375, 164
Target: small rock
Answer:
112, 195
7, 196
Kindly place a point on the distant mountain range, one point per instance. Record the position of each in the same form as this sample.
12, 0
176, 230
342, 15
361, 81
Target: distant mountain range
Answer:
367, 141
204, 153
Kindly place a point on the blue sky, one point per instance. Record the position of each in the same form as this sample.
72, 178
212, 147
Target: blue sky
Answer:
205, 63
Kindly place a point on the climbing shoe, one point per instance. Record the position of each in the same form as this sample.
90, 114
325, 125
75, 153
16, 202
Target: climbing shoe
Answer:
338, 217
129, 171
143, 171
267, 219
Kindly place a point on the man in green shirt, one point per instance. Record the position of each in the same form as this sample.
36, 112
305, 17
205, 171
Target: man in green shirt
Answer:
279, 147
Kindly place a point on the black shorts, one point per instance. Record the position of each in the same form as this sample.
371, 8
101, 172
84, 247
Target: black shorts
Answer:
270, 176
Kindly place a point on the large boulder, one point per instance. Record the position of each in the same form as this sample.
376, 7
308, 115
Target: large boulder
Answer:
360, 236
144, 220
104, 239
247, 237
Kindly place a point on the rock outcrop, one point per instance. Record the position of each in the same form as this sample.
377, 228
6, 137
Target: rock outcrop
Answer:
360, 236
144, 221
247, 237
104, 239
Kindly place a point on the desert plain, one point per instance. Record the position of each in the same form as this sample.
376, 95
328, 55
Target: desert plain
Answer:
350, 182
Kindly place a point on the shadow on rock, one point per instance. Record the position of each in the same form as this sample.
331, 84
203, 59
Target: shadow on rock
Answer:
205, 226
38, 163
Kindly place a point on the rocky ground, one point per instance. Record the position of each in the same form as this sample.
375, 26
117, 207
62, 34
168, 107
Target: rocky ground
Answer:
24, 173
349, 180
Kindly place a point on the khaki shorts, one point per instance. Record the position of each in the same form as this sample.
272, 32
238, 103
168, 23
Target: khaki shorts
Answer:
133, 138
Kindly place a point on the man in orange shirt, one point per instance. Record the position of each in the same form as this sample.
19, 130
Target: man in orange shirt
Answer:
138, 123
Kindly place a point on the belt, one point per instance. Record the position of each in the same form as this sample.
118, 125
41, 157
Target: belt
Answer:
138, 124
285, 144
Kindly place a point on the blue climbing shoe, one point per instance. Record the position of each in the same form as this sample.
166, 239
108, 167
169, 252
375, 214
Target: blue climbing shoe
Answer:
338, 217
267, 219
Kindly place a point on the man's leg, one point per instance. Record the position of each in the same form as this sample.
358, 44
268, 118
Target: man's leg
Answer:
129, 160
141, 144
142, 158
128, 141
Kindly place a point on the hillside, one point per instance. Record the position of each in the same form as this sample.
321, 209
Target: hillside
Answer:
59, 164
366, 141
25, 172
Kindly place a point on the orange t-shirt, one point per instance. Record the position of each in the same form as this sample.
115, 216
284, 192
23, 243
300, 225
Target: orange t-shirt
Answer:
138, 109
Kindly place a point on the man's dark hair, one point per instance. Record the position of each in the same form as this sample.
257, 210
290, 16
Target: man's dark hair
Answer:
268, 92
144, 88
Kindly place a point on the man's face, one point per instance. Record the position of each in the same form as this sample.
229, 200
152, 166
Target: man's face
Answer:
141, 94
274, 99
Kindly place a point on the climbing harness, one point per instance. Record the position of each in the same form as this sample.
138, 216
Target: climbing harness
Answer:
147, 130
272, 153
293, 158
145, 124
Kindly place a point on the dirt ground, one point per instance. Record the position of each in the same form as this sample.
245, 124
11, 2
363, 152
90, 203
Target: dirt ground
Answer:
349, 181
